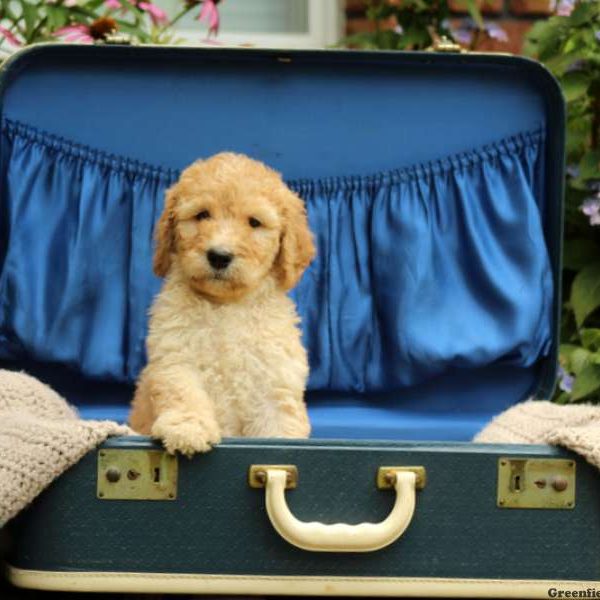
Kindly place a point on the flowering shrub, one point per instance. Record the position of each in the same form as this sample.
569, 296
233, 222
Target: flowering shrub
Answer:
569, 44
25, 22
416, 24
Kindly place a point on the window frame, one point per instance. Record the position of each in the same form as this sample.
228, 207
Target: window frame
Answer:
325, 28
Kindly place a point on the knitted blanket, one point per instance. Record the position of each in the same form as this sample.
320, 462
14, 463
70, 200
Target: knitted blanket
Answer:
41, 436
576, 427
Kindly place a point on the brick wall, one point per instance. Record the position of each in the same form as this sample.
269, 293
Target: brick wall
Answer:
514, 16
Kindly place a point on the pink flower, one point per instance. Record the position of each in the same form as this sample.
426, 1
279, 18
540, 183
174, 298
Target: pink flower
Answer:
210, 14
70, 3
75, 33
10, 37
158, 15
112, 4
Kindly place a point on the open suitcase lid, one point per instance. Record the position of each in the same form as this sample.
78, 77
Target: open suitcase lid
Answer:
433, 184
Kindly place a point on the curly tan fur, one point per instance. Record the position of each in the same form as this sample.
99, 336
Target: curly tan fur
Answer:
224, 351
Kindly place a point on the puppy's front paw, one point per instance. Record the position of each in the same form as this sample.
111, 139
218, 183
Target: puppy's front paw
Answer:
185, 433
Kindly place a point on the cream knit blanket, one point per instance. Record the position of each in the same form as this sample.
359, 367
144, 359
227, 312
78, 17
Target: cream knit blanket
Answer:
576, 427
41, 436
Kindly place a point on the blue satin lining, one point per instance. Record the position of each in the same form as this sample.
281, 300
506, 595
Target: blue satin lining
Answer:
420, 272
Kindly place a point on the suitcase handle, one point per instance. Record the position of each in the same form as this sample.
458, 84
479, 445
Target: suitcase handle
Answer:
340, 537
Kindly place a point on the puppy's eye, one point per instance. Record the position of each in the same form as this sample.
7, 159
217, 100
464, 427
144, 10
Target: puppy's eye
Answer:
253, 222
202, 215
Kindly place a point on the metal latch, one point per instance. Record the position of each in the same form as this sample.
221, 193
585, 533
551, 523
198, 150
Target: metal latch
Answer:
257, 475
445, 44
386, 476
136, 475
536, 483
116, 39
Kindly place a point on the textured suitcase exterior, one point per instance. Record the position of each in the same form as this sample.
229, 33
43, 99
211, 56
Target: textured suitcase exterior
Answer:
216, 536
135, 113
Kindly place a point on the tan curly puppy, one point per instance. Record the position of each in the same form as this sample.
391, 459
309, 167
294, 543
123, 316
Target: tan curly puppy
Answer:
224, 350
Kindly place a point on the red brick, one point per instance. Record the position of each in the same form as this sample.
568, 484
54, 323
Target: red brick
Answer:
515, 30
356, 6
530, 7
362, 25
359, 26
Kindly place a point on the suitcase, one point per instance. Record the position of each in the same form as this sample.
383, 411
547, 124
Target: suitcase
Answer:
433, 184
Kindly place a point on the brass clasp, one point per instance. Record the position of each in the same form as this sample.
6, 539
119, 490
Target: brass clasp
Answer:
536, 483
136, 475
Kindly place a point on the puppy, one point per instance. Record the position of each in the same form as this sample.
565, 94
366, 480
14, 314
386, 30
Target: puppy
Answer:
225, 356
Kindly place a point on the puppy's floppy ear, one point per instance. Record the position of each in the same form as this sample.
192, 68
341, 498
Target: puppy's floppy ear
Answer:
164, 235
296, 249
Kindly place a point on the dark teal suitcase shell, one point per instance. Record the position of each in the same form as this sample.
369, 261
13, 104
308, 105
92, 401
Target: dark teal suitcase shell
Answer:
433, 184
216, 537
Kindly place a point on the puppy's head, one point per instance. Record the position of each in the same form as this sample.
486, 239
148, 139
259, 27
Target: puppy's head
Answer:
230, 222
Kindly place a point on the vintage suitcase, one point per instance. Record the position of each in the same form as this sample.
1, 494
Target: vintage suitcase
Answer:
433, 184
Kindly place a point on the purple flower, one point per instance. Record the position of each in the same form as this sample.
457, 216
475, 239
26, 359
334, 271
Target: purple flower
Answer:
591, 208
573, 171
564, 8
399, 30
576, 65
565, 380
464, 34
495, 32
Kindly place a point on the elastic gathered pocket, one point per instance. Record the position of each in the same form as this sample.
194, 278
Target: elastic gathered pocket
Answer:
419, 271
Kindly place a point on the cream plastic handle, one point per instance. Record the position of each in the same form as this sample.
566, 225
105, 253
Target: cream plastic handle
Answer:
340, 537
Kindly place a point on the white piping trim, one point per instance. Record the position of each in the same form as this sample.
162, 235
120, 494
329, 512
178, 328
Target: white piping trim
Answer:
184, 583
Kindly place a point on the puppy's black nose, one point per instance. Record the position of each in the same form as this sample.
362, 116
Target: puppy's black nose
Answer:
219, 259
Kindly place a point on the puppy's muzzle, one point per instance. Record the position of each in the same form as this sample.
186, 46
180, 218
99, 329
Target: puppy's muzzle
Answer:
218, 259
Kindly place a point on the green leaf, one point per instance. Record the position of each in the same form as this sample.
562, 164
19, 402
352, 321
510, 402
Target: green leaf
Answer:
574, 358
586, 382
475, 13
589, 167
579, 253
561, 62
575, 85
30, 16
94, 4
585, 292
58, 17
580, 359
562, 398
583, 13
590, 338
548, 37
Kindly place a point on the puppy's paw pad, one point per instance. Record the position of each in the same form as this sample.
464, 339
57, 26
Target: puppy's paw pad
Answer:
186, 437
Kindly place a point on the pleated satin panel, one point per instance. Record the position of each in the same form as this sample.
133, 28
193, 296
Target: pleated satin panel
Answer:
420, 271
